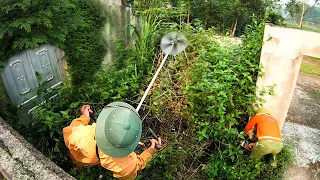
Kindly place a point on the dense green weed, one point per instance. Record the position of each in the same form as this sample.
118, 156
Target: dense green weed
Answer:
199, 104
121, 81
72, 25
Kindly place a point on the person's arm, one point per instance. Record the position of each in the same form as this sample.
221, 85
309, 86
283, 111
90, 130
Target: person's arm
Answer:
146, 155
142, 160
84, 119
251, 124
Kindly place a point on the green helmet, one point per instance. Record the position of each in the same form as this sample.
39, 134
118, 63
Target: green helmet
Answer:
262, 111
118, 129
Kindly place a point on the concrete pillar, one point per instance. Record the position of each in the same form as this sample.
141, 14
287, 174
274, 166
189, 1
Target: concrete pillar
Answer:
281, 58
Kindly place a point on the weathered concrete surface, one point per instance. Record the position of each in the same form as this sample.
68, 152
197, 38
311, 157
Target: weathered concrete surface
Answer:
281, 58
306, 145
20, 160
119, 16
305, 142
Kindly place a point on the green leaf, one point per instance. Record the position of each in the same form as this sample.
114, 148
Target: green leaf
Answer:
56, 148
51, 134
65, 114
74, 105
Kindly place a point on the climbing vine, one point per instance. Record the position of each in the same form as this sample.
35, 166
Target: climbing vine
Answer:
73, 25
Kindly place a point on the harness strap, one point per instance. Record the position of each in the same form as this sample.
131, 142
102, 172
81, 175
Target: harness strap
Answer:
97, 152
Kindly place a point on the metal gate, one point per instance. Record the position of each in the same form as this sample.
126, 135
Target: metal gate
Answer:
27, 71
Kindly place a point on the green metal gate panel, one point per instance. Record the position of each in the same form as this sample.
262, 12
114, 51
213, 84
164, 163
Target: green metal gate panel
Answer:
26, 71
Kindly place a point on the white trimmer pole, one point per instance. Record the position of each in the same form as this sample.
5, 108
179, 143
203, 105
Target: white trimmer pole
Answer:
151, 83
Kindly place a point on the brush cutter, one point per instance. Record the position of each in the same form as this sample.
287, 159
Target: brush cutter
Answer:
119, 122
171, 44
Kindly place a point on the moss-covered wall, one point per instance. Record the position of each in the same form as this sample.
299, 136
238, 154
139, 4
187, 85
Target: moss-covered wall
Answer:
119, 17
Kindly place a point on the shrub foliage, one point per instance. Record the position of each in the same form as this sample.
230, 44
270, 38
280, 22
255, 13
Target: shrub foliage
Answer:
221, 91
72, 25
199, 104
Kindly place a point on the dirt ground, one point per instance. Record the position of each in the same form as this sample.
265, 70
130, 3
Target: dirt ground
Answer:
311, 61
300, 173
305, 104
305, 110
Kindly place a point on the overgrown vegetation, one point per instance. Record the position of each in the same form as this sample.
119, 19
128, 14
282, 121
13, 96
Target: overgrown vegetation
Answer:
122, 81
221, 103
228, 17
199, 104
72, 25
306, 26
203, 101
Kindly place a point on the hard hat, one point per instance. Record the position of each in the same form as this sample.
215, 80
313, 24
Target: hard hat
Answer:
118, 129
262, 111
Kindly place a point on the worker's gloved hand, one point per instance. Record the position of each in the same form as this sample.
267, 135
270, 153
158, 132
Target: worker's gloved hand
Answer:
250, 134
155, 145
85, 110
251, 145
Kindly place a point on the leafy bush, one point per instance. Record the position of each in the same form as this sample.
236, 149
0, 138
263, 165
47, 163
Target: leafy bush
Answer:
72, 25
222, 87
221, 91
274, 17
199, 104
122, 81
244, 168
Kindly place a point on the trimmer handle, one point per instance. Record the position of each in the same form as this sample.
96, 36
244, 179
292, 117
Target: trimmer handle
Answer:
147, 143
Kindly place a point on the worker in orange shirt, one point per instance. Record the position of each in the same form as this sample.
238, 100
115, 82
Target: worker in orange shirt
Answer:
110, 141
268, 134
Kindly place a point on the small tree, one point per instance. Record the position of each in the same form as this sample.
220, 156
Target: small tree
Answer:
297, 10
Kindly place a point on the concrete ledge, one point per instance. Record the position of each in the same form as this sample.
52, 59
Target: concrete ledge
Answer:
20, 160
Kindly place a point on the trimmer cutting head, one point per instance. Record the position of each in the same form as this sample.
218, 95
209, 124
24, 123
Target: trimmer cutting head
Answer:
173, 43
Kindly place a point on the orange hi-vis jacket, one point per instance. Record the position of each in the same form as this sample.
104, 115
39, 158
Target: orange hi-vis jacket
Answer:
267, 127
79, 137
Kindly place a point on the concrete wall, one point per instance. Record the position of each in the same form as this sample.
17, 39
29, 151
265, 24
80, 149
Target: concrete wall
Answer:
281, 58
20, 160
118, 18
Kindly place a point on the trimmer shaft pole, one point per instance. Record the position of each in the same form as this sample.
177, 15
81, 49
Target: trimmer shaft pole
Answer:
151, 83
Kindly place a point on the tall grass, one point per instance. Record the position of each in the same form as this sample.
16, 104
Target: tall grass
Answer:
305, 26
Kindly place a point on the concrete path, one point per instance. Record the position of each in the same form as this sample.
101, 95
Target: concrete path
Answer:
306, 144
